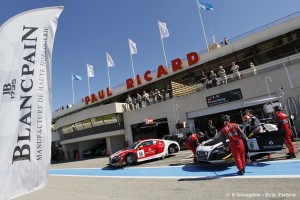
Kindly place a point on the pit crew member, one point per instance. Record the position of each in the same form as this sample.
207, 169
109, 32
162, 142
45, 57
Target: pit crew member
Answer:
192, 142
232, 132
282, 123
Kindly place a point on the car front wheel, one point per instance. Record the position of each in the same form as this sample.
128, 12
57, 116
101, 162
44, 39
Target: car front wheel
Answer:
130, 159
172, 149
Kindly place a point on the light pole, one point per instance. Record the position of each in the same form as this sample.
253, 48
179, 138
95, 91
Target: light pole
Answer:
267, 77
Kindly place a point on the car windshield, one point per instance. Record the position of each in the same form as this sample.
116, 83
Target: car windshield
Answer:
132, 146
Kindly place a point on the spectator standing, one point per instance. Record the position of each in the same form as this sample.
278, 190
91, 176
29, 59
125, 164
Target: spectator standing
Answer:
139, 100
170, 92
129, 102
134, 102
152, 96
222, 75
235, 71
213, 77
157, 95
146, 98
253, 68
211, 130
225, 41
163, 92
203, 80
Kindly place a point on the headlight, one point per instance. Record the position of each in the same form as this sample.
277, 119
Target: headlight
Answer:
116, 158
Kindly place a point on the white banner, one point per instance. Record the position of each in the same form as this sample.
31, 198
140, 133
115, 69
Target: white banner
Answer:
90, 70
26, 42
164, 32
132, 47
109, 60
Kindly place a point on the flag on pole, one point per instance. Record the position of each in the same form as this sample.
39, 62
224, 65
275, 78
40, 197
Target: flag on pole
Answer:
26, 43
132, 47
76, 77
90, 70
164, 32
109, 60
205, 5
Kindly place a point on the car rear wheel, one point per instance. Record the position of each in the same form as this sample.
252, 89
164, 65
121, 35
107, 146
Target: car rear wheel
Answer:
130, 158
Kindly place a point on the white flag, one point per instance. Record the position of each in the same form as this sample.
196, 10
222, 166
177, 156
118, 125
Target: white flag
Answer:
109, 60
132, 47
164, 32
26, 42
90, 70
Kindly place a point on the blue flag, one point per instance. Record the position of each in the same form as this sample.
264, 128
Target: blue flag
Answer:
205, 5
76, 77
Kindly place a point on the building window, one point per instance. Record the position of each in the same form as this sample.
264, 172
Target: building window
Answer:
87, 123
110, 119
97, 121
78, 126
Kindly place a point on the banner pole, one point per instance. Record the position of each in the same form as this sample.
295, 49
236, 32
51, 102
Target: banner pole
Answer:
132, 65
108, 77
164, 51
73, 88
202, 25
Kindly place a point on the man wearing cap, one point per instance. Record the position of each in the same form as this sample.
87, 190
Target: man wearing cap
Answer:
236, 136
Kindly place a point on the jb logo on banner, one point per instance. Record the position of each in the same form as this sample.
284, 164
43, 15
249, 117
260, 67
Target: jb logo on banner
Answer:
26, 42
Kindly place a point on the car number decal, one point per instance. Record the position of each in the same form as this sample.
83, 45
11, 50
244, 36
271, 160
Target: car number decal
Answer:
252, 144
140, 153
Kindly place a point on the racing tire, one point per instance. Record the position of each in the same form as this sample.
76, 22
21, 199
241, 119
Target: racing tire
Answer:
130, 159
172, 149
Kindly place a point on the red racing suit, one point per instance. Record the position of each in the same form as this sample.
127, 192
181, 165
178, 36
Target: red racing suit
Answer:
191, 143
232, 132
283, 125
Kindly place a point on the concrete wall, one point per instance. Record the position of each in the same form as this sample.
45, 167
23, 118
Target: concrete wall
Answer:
117, 143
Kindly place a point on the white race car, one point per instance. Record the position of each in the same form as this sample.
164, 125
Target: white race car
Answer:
270, 140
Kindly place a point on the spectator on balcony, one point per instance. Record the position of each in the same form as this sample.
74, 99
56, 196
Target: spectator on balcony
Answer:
139, 100
146, 98
129, 102
213, 78
163, 93
152, 96
170, 92
225, 41
253, 68
222, 75
157, 95
134, 102
235, 71
203, 80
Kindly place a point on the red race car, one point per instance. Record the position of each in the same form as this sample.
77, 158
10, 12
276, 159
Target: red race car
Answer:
143, 150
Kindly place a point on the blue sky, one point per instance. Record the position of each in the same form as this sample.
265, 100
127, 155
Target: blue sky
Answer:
87, 29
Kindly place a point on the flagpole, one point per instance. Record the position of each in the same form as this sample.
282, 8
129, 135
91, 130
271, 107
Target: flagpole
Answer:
89, 85
202, 24
132, 65
164, 51
108, 77
73, 88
